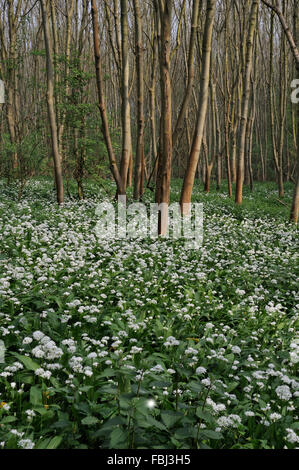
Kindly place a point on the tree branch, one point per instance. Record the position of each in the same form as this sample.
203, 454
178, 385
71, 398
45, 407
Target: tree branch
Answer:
286, 29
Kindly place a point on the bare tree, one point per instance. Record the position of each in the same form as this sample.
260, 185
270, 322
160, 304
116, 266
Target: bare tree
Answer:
202, 111
245, 101
50, 101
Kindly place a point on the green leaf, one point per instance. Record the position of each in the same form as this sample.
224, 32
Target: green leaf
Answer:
185, 432
118, 437
203, 414
54, 443
232, 387
108, 373
195, 387
230, 357
36, 395
28, 362
112, 422
89, 420
170, 418
8, 419
211, 434
42, 410
42, 444
156, 423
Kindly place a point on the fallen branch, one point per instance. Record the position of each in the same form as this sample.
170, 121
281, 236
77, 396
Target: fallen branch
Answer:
283, 203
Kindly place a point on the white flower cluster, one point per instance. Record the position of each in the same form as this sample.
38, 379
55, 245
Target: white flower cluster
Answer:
190, 351
171, 341
46, 348
236, 349
294, 354
230, 421
44, 374
217, 407
292, 436
26, 444
283, 392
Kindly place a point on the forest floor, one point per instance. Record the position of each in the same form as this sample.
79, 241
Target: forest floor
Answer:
142, 343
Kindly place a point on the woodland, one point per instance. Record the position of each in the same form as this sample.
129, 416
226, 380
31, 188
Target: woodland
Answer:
140, 343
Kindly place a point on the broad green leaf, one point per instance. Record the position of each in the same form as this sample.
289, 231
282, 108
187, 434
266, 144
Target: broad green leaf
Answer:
36, 395
89, 420
170, 418
210, 434
54, 443
28, 362
8, 419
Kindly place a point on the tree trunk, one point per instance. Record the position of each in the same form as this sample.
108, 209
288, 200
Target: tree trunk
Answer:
165, 157
188, 183
190, 79
126, 119
50, 102
245, 101
102, 101
139, 162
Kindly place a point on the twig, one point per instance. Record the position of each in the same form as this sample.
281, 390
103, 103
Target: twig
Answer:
283, 203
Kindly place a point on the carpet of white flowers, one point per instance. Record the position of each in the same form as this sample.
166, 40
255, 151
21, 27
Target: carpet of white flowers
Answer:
140, 343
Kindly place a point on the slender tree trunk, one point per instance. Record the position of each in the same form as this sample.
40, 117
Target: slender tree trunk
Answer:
61, 124
50, 101
164, 167
295, 203
139, 162
102, 101
202, 111
190, 79
227, 107
153, 101
245, 101
126, 119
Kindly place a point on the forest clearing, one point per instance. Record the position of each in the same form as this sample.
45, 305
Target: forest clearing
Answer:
117, 332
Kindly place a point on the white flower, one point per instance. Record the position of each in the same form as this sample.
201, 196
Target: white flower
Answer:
26, 444
294, 357
27, 340
206, 382
88, 371
200, 370
30, 413
236, 350
38, 335
275, 416
75, 363
283, 392
157, 368
240, 292
249, 413
103, 354
135, 350
16, 433
229, 421
191, 351
171, 341
44, 374
38, 352
292, 436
